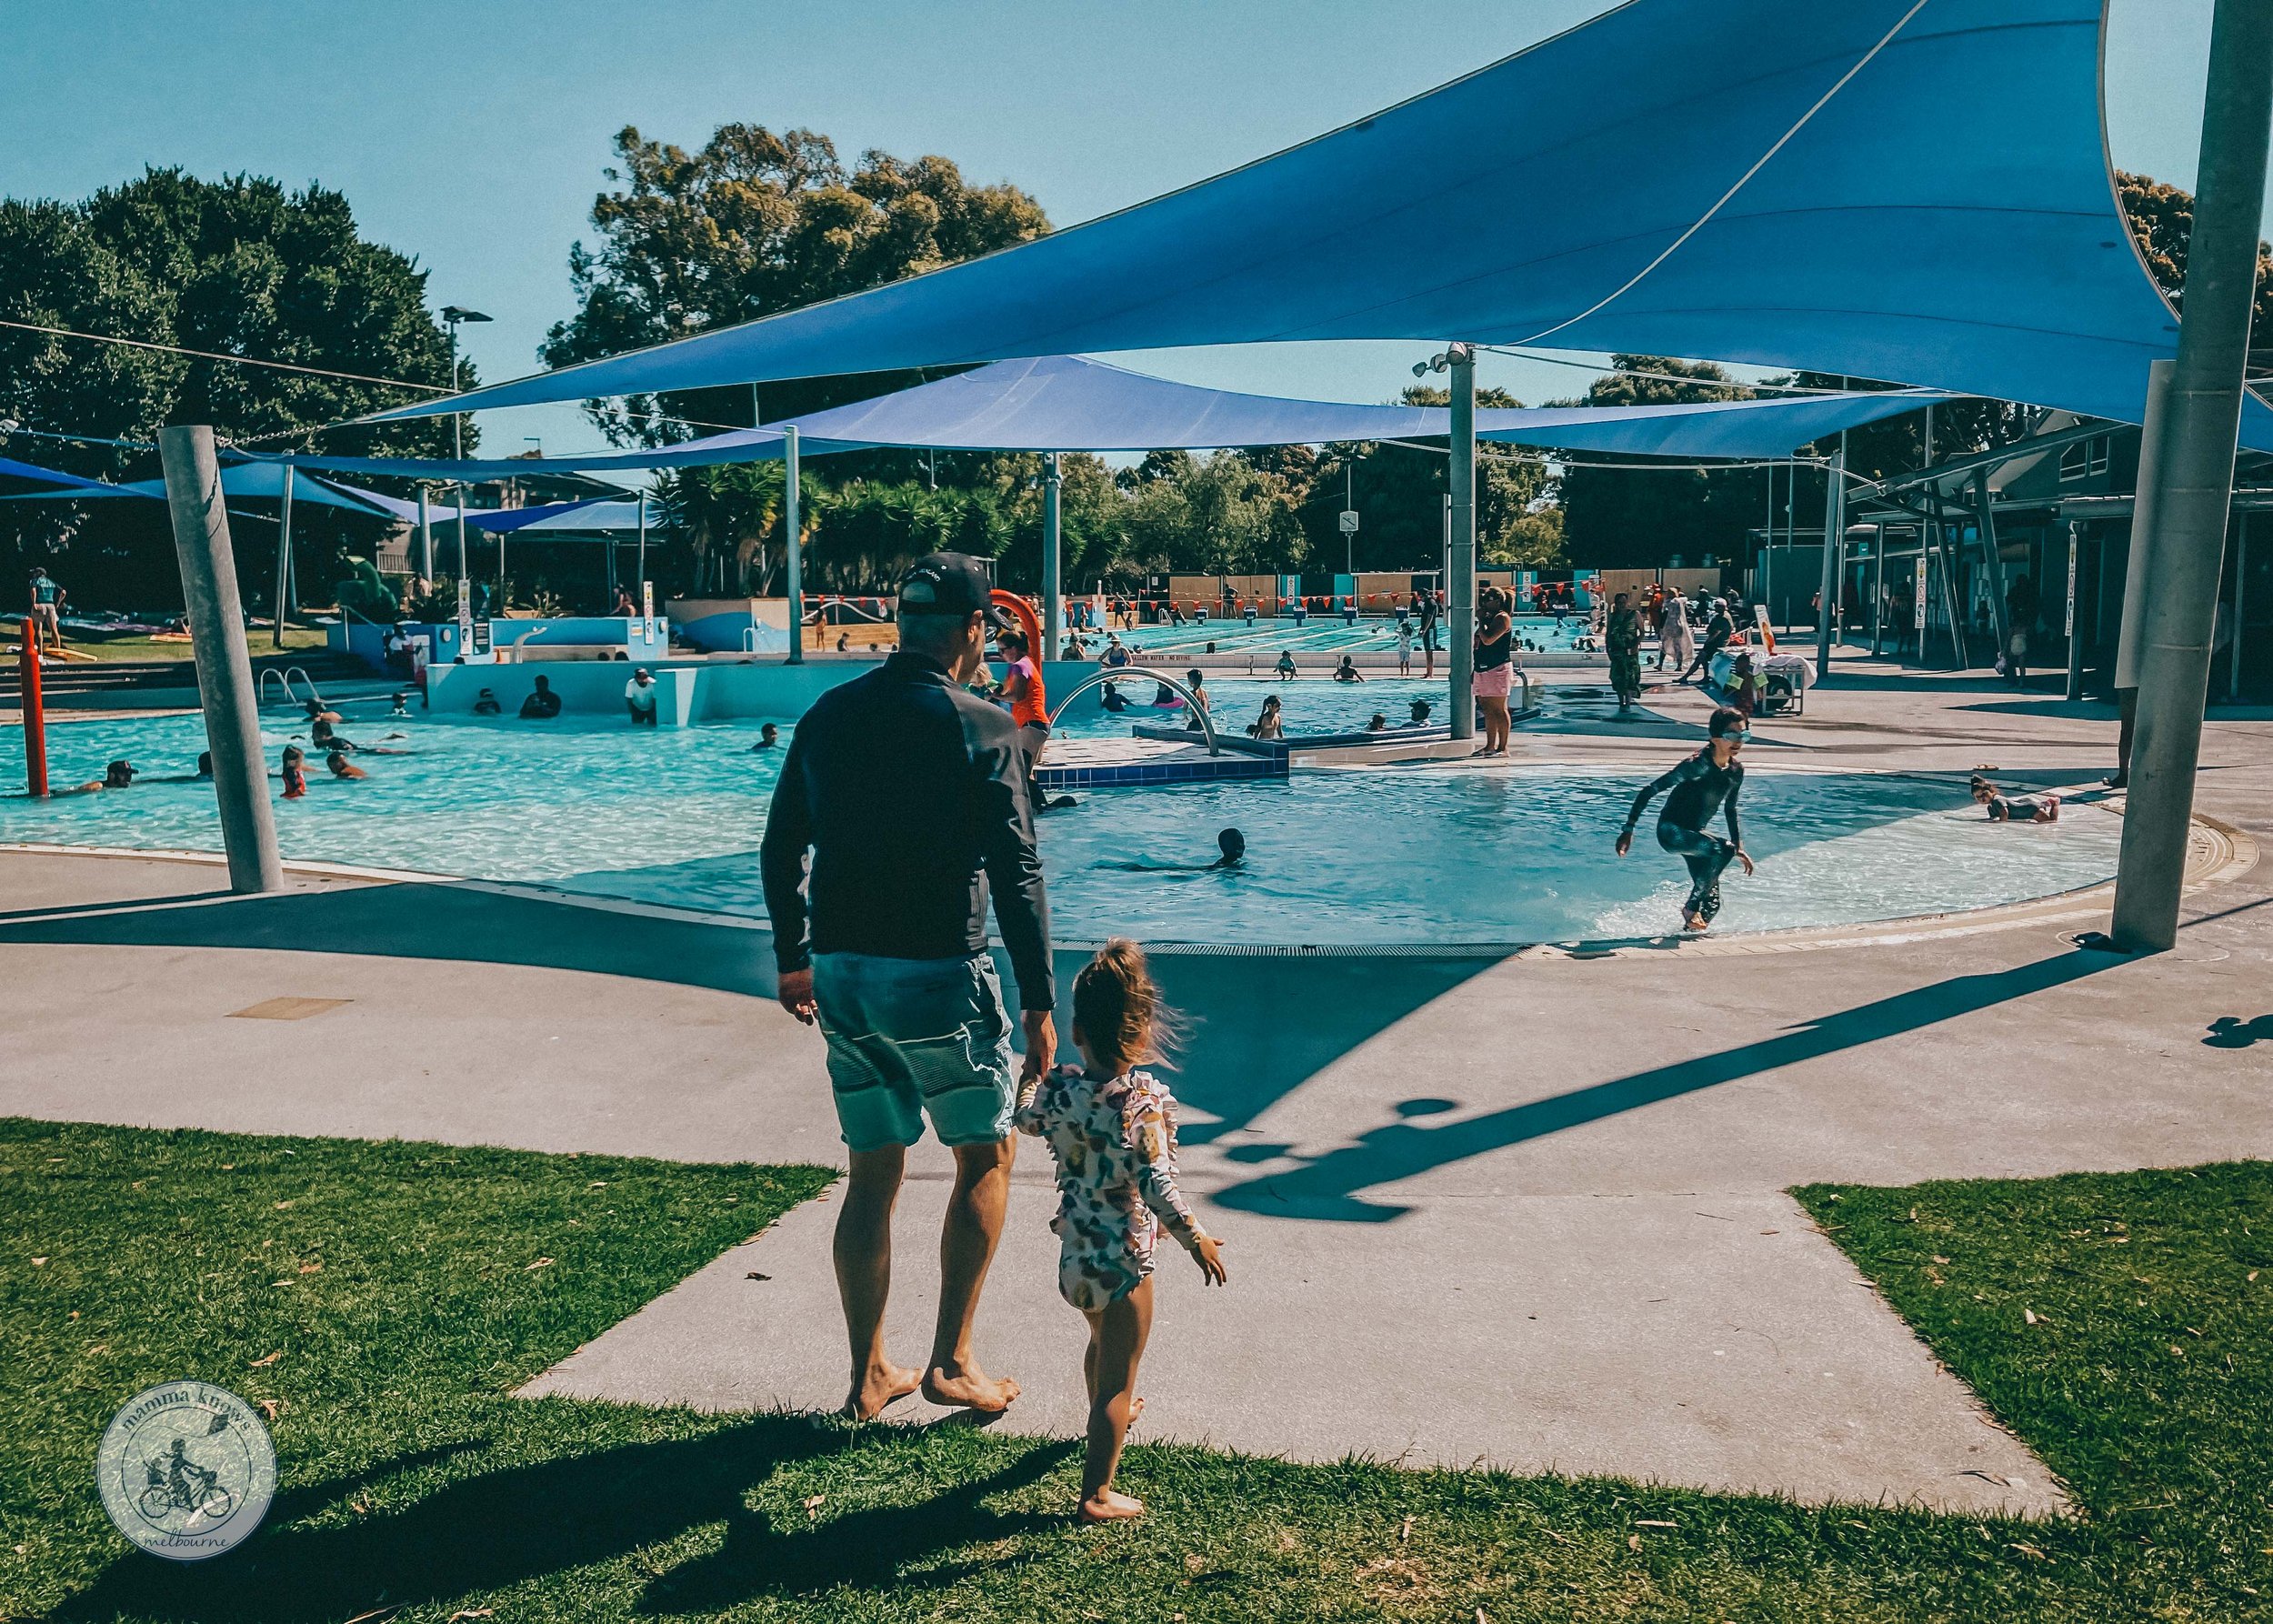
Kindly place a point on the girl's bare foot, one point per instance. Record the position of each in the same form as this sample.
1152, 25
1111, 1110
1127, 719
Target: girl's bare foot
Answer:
878, 1387
1110, 1505
969, 1388
1135, 1408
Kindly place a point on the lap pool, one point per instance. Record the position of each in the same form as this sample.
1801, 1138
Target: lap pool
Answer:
1397, 856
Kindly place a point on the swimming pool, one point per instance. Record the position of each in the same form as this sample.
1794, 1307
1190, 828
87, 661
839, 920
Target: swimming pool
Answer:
1381, 855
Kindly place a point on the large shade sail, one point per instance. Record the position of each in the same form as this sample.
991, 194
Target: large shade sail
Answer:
1884, 188
1071, 403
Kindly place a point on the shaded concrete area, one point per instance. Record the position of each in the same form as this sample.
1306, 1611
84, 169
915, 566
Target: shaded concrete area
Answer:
1526, 1211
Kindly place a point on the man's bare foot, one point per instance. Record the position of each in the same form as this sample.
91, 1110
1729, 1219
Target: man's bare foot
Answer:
1695, 922
1135, 1408
969, 1388
1110, 1505
878, 1387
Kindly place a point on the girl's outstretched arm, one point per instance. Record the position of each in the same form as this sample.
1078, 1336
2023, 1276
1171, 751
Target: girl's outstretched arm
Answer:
1152, 1134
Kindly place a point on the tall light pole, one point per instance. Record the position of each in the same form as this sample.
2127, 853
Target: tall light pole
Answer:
1458, 360
452, 315
2194, 471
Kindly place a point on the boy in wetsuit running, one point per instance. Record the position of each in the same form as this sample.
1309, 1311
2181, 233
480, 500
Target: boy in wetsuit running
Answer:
1706, 783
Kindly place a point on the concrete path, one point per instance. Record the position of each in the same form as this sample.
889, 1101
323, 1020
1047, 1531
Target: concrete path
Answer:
1524, 1211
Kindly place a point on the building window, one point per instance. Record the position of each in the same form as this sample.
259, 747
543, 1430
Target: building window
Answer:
2085, 458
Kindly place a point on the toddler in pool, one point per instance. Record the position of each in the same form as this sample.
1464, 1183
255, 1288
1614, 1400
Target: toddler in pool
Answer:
1112, 1128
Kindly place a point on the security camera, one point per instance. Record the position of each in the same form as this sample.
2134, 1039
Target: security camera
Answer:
1420, 369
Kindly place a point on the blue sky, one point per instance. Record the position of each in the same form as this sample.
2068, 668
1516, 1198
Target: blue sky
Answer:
472, 135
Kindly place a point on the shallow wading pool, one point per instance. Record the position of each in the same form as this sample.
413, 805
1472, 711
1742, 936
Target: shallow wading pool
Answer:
1395, 856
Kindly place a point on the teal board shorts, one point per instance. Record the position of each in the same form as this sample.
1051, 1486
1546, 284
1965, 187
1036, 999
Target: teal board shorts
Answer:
915, 1038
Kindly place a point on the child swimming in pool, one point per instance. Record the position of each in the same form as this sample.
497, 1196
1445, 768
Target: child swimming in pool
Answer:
1111, 1128
2015, 808
296, 778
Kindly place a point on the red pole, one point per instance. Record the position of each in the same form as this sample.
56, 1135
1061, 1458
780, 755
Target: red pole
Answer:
35, 714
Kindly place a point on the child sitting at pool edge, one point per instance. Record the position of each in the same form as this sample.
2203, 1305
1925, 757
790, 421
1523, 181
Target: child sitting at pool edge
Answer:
1111, 1128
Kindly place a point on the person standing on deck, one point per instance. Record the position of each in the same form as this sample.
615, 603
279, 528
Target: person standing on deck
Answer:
1622, 636
47, 598
910, 794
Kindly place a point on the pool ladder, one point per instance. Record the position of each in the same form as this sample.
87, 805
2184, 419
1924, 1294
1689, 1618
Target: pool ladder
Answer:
284, 680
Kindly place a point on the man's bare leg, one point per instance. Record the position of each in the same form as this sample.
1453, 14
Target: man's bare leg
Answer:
967, 1245
863, 1253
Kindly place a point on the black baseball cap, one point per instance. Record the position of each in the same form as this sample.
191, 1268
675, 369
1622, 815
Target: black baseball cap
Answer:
949, 584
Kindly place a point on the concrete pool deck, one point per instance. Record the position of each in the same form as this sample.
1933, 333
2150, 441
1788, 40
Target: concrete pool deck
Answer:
1526, 1211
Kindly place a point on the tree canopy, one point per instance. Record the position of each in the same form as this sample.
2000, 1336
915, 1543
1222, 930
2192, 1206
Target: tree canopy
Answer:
238, 266
751, 224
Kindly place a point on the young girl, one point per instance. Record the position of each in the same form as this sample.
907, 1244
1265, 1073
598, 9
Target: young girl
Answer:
296, 778
1112, 1129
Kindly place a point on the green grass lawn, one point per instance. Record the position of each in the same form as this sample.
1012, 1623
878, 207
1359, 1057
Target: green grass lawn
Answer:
388, 1297
298, 639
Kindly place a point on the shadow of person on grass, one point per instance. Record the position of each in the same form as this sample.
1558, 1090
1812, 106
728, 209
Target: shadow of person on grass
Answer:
484, 1532
882, 1547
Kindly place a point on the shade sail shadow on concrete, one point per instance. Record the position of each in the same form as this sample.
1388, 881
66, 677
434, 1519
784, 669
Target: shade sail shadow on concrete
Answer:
1258, 1027
438, 920
1328, 1186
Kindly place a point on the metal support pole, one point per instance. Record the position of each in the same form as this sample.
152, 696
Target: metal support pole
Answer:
792, 526
1998, 614
426, 541
2075, 644
1460, 608
284, 556
1833, 524
2241, 596
1053, 563
462, 573
1933, 558
2195, 469
225, 665
1767, 550
2143, 519
1877, 589
639, 574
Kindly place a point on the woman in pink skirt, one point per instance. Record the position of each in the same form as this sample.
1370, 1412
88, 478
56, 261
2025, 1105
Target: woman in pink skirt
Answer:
1495, 657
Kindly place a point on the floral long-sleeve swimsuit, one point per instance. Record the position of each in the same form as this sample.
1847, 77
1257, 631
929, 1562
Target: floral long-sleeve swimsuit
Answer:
1114, 1141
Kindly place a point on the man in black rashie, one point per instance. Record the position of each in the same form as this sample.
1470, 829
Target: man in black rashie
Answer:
911, 794
1706, 783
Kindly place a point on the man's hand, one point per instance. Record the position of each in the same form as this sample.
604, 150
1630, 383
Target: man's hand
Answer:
1744, 857
794, 989
1041, 1046
1626, 841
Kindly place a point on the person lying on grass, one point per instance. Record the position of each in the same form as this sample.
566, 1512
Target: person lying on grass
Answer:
1112, 1129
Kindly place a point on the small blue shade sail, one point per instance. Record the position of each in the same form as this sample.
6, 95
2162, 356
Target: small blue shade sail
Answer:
736, 446
1744, 429
75, 483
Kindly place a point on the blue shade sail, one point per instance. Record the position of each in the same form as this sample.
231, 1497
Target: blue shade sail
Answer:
1882, 189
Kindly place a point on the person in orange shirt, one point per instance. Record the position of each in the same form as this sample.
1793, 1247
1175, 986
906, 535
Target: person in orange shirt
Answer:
1022, 689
